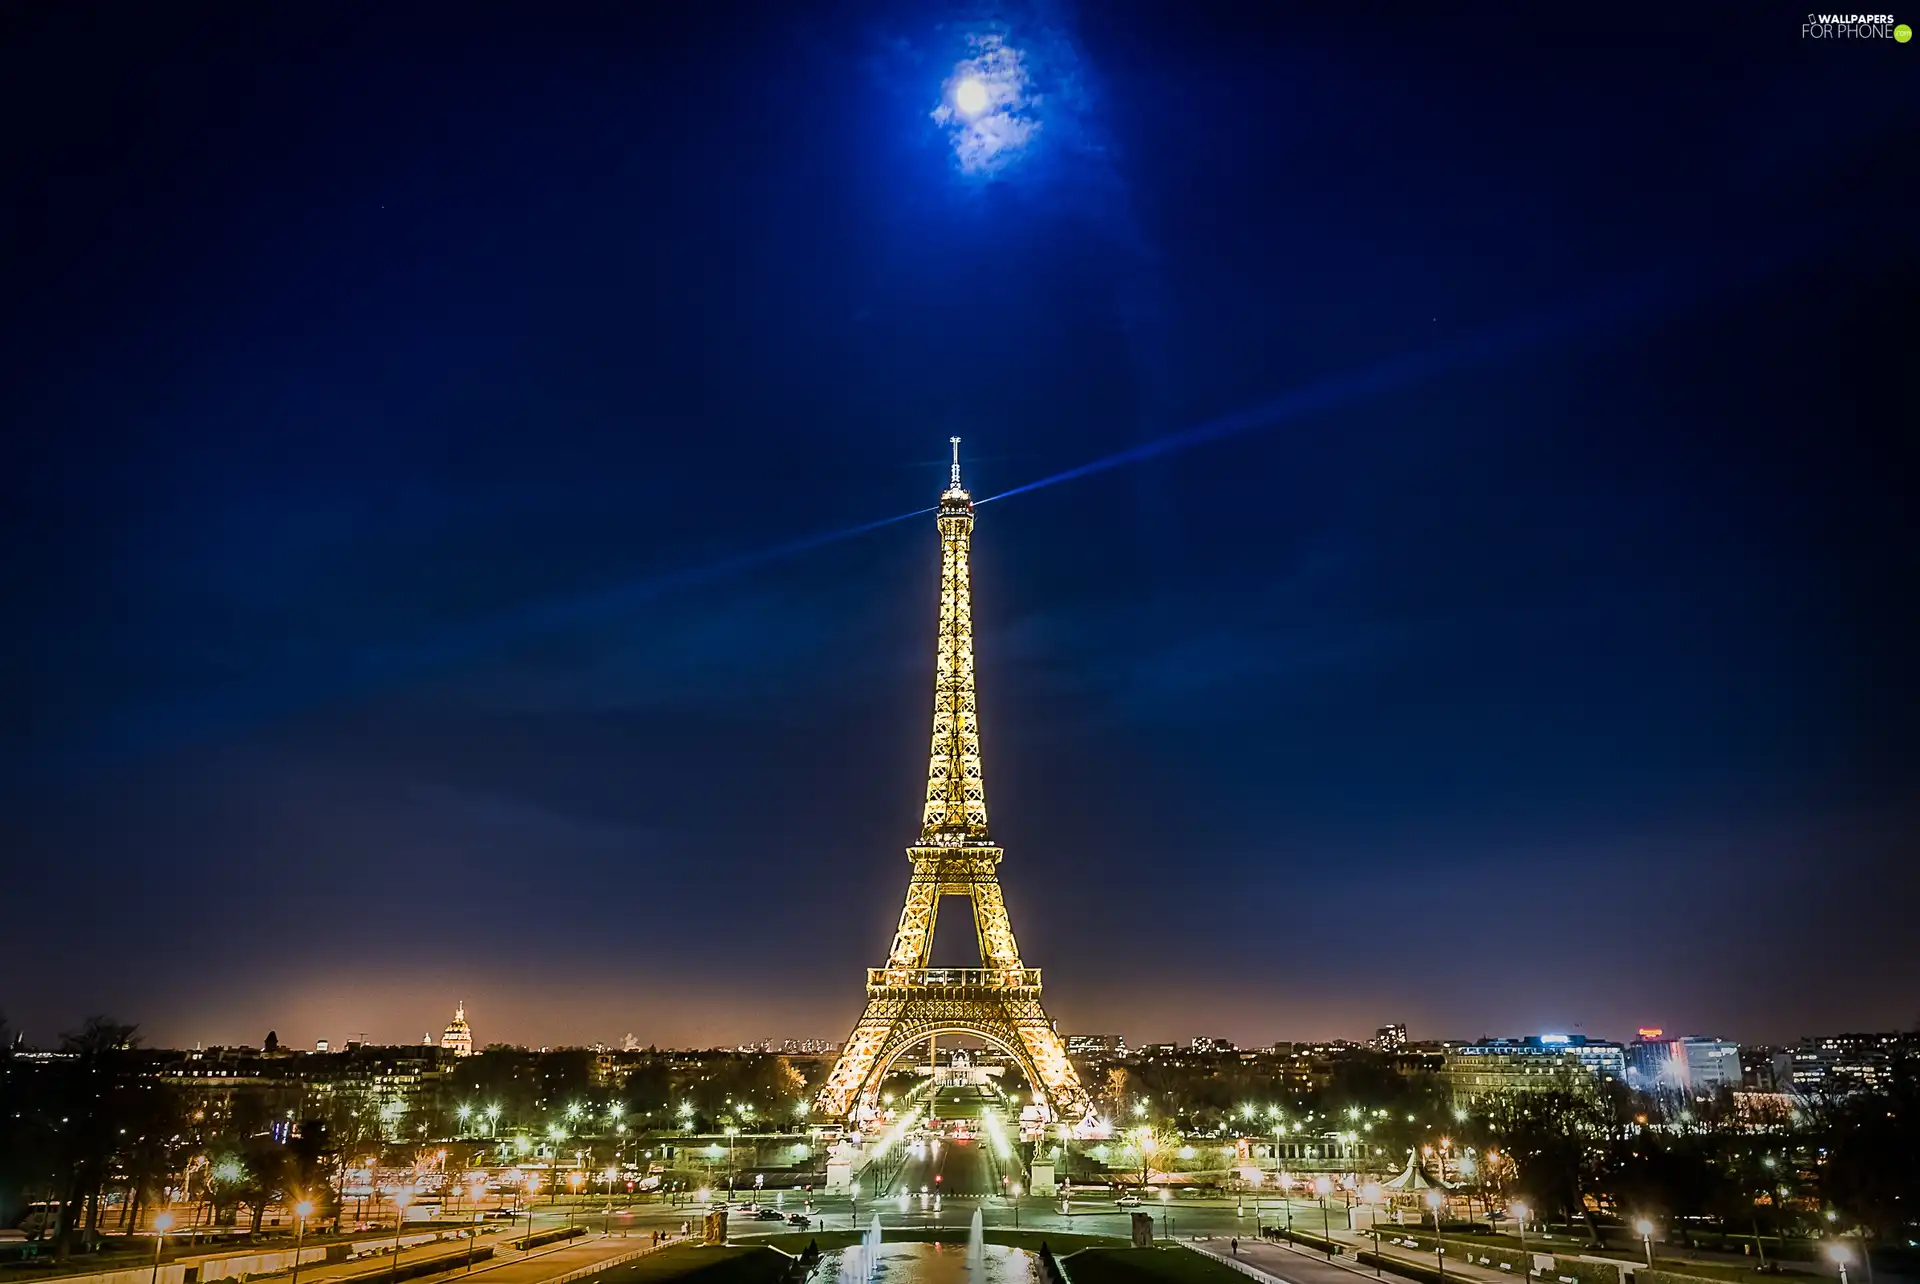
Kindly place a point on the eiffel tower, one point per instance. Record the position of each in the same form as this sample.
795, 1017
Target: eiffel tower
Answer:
908, 1001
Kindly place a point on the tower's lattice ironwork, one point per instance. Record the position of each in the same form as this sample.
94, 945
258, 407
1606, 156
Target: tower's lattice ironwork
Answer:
909, 1000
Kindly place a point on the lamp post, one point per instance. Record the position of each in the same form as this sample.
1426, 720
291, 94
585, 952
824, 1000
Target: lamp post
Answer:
1519, 1212
1645, 1228
478, 1189
731, 1130
1323, 1187
300, 1212
532, 1188
161, 1225
1370, 1196
1840, 1256
401, 1198
1434, 1200
1016, 1210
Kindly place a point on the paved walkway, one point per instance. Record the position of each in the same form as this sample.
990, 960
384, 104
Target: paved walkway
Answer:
1296, 1264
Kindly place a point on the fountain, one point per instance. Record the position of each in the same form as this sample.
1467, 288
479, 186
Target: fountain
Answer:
859, 1263
932, 1262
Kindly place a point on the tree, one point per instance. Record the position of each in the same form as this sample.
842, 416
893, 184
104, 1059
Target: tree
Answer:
1151, 1149
1553, 1139
1114, 1091
1871, 1141
88, 1097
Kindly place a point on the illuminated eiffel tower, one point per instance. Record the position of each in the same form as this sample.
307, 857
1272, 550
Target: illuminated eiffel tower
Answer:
908, 1001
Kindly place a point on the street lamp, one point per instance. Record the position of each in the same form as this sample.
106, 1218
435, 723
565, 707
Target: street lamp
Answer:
161, 1225
1016, 1209
1519, 1212
1645, 1228
1840, 1256
532, 1188
1434, 1202
300, 1212
1323, 1186
401, 1198
731, 1130
1370, 1196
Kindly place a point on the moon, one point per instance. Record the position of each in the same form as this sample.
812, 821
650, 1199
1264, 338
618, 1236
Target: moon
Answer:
970, 96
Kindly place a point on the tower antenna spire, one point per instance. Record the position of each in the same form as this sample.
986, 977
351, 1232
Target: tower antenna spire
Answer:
956, 461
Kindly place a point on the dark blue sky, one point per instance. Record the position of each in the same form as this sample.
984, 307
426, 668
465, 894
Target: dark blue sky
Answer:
400, 400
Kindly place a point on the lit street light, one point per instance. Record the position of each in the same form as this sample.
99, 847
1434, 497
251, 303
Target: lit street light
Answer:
1370, 1196
1645, 1228
1323, 1186
161, 1225
1520, 1218
401, 1198
1840, 1256
1434, 1201
300, 1212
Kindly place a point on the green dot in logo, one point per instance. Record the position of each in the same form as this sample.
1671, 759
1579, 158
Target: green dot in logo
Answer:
1902, 32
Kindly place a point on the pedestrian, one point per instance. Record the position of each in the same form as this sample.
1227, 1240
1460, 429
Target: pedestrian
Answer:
1236, 1246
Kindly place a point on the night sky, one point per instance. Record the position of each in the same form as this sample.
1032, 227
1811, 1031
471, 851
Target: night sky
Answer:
423, 423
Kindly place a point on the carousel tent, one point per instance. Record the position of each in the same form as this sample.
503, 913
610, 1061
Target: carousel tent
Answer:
1416, 1178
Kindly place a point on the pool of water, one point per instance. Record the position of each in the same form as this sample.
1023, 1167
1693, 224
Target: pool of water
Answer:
906, 1263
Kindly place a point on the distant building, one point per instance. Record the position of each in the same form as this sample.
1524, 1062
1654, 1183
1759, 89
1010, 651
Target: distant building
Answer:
1692, 1065
1207, 1045
809, 1047
458, 1038
1757, 1069
1840, 1063
321, 1045
1388, 1038
1097, 1047
392, 1093
1536, 1063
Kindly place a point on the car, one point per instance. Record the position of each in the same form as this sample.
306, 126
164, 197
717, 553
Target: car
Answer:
1127, 1201
799, 1219
769, 1215
499, 1215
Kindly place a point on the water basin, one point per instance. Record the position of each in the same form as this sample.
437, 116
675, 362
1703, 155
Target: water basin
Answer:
910, 1263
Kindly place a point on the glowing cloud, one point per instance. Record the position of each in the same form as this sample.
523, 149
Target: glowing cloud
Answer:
988, 107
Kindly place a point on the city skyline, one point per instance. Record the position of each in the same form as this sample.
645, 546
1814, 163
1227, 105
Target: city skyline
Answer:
1436, 556
295, 1037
